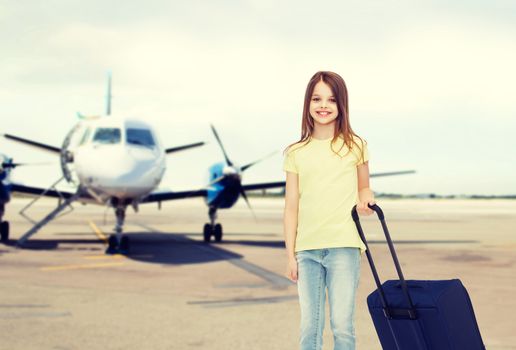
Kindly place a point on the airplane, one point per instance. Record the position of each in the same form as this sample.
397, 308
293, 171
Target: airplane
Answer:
111, 160
120, 162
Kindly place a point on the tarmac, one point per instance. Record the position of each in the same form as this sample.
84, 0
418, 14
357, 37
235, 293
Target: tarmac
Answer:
173, 291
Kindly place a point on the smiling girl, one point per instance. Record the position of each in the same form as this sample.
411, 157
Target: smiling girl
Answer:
327, 174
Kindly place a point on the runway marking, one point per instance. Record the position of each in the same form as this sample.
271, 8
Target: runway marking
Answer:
105, 256
80, 267
116, 256
98, 232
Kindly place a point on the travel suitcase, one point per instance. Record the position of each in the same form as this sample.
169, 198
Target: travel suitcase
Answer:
419, 315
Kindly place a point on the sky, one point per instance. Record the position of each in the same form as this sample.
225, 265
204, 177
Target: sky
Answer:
431, 83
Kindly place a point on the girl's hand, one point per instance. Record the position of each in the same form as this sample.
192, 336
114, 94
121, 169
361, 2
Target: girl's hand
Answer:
292, 269
365, 196
363, 209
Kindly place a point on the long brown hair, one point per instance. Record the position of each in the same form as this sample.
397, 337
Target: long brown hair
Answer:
342, 125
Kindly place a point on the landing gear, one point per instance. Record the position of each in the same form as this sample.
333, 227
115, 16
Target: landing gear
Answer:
212, 229
4, 225
112, 245
217, 232
4, 231
118, 244
207, 233
115, 248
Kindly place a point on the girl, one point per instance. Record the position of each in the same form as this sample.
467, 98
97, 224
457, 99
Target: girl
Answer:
327, 173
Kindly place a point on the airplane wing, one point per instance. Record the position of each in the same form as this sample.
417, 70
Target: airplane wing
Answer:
166, 196
282, 183
264, 185
38, 191
405, 172
153, 197
160, 196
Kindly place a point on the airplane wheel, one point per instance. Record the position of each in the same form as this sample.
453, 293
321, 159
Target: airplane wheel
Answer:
4, 230
218, 233
207, 233
124, 245
112, 245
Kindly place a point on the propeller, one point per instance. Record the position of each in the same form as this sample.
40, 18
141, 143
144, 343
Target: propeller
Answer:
228, 162
242, 169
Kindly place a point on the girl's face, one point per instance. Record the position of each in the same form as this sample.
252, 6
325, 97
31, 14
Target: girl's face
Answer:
323, 105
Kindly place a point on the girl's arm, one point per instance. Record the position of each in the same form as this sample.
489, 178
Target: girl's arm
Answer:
290, 222
365, 194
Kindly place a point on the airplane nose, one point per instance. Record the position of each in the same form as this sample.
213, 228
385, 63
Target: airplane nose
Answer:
115, 166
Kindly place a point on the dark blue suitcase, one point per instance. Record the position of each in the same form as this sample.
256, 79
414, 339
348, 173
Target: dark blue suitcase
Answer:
419, 315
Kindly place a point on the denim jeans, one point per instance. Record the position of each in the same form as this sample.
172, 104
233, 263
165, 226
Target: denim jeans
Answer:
338, 269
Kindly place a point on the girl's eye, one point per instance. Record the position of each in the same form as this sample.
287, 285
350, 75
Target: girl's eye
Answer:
315, 99
333, 100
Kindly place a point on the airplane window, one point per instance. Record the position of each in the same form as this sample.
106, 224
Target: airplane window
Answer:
142, 137
107, 135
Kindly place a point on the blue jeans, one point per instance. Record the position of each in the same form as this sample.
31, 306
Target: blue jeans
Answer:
339, 270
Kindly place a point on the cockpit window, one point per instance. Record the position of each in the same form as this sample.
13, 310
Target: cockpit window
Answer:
142, 137
107, 136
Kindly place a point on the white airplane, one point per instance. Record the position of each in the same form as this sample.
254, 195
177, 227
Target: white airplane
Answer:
120, 162
112, 161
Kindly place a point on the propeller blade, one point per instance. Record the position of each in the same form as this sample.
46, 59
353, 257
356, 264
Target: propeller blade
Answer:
228, 162
247, 166
242, 192
14, 165
220, 178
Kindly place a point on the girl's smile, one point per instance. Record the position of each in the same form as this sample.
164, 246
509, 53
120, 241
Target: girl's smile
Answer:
322, 113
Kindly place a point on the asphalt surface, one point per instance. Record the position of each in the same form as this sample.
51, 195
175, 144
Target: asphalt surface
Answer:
173, 291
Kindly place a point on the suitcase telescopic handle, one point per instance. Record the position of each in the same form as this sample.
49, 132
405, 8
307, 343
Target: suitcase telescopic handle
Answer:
389, 312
